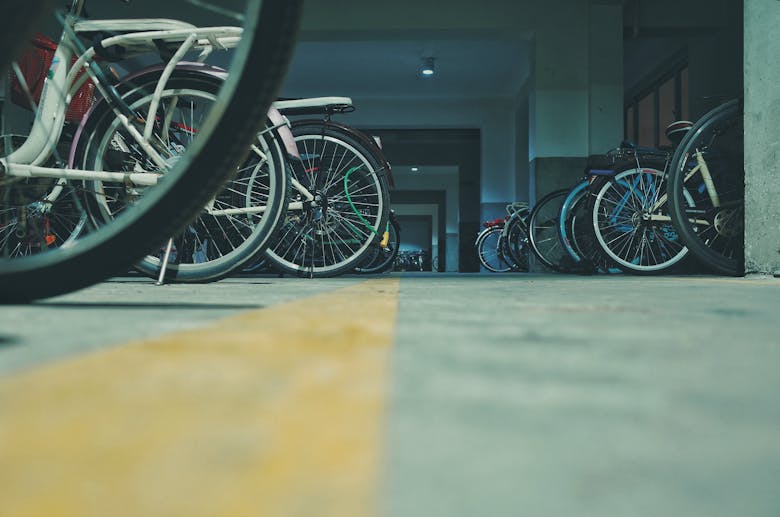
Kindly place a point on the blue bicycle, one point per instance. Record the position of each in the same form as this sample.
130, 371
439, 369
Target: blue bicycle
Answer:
631, 222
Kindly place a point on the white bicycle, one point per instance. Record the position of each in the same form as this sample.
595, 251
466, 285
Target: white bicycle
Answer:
337, 212
127, 169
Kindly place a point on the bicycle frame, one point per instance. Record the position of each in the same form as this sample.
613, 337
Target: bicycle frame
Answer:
661, 200
61, 84
701, 166
325, 106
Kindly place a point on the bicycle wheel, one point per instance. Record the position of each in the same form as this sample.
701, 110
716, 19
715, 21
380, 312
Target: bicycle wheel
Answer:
631, 224
187, 183
576, 231
708, 165
384, 170
55, 216
568, 216
381, 259
339, 205
581, 238
514, 243
237, 223
543, 231
489, 251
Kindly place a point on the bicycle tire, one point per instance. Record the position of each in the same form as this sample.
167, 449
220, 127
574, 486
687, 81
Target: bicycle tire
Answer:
543, 231
217, 245
489, 251
716, 234
331, 238
384, 170
514, 242
211, 246
380, 260
566, 218
576, 231
579, 232
622, 221
269, 33
64, 220
579, 235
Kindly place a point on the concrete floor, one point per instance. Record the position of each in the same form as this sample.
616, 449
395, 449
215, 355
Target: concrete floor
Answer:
496, 395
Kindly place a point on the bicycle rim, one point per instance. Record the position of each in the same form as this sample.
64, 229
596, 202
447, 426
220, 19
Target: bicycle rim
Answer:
543, 230
515, 243
489, 251
623, 221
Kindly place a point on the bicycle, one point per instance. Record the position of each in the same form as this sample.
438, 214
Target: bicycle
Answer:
333, 202
543, 228
630, 218
411, 260
503, 245
162, 187
616, 218
514, 241
340, 201
706, 189
239, 222
489, 247
573, 228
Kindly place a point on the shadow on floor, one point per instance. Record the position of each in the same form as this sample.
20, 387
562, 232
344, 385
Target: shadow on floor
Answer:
144, 305
9, 341
147, 281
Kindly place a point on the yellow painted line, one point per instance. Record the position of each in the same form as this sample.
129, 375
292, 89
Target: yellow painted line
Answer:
276, 412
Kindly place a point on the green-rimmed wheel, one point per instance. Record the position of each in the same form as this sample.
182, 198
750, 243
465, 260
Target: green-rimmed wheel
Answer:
338, 208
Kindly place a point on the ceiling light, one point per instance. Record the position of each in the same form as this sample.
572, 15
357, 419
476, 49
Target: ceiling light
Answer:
415, 169
427, 69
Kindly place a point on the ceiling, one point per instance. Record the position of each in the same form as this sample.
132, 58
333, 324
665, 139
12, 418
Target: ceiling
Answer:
469, 66
424, 170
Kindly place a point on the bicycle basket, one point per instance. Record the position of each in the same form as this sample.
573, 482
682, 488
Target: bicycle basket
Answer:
34, 64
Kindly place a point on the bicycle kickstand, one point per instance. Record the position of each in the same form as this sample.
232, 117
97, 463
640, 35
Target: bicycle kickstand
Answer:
164, 266
310, 272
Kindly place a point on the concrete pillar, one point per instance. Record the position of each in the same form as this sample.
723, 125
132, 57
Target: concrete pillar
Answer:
605, 54
498, 158
762, 138
575, 102
522, 190
558, 102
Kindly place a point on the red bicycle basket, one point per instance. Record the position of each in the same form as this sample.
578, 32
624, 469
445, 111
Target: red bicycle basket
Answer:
34, 64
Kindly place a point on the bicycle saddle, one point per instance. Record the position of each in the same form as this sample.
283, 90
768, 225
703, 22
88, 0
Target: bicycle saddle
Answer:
314, 105
677, 130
